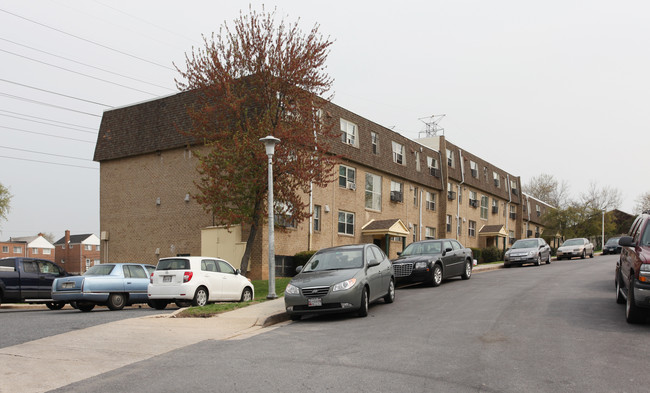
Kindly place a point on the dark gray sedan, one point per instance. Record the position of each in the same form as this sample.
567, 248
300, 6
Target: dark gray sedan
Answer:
341, 279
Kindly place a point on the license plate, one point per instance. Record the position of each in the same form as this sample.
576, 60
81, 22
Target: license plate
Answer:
315, 302
167, 278
68, 285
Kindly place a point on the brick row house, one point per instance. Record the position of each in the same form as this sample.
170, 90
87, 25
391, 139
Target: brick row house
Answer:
77, 253
28, 247
390, 191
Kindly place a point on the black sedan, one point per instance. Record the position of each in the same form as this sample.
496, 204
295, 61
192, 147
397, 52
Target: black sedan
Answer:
612, 246
431, 261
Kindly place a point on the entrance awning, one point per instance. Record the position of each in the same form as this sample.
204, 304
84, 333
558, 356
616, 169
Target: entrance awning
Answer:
493, 230
392, 227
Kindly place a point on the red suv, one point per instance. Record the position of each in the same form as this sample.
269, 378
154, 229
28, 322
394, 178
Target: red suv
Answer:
633, 270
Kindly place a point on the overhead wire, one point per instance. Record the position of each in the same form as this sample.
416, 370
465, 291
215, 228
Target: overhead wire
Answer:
50, 120
47, 154
48, 162
53, 92
46, 104
44, 134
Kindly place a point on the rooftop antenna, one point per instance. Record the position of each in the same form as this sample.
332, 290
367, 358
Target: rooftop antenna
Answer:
432, 126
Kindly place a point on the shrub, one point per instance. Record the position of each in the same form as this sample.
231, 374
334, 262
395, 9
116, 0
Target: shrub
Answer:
476, 252
302, 257
491, 254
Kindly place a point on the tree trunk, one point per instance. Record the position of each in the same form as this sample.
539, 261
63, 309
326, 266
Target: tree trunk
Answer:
249, 244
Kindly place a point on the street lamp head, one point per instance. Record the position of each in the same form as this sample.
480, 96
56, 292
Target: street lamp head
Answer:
269, 143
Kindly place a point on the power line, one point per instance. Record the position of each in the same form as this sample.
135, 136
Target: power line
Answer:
44, 134
46, 104
89, 41
88, 65
47, 154
76, 72
48, 162
49, 124
52, 92
42, 118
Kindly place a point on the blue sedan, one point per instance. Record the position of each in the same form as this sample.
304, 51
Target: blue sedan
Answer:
113, 284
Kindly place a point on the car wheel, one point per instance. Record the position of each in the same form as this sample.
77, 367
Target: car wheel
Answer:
633, 314
548, 259
436, 276
116, 301
246, 295
55, 305
390, 296
619, 295
158, 304
363, 308
538, 261
584, 254
506, 265
592, 254
200, 297
468, 271
183, 303
86, 307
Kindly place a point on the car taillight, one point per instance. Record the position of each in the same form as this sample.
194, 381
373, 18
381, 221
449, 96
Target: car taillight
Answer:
151, 278
187, 276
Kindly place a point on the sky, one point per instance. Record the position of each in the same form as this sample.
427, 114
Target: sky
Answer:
557, 87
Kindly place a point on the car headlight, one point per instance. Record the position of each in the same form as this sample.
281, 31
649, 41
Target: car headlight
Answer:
420, 265
292, 290
532, 253
342, 286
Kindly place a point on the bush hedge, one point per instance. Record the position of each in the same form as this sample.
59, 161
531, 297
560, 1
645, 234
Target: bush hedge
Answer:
302, 257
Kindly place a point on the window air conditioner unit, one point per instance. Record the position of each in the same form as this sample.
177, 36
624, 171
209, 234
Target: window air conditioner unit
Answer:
352, 186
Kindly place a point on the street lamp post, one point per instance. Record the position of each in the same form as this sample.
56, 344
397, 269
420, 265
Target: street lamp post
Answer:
269, 144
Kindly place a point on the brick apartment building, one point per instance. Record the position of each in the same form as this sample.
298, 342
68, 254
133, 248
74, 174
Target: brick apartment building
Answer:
390, 190
76, 253
27, 246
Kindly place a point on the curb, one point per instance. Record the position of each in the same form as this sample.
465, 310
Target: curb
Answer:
272, 319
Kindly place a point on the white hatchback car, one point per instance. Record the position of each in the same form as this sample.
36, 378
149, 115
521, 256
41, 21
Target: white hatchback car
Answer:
196, 281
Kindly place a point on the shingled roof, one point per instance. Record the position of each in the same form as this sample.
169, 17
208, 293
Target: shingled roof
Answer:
144, 128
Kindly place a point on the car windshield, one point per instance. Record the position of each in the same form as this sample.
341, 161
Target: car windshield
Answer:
173, 264
99, 270
425, 248
529, 243
573, 242
612, 242
335, 260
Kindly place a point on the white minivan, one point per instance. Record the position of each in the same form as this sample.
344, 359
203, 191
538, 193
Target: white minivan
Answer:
196, 281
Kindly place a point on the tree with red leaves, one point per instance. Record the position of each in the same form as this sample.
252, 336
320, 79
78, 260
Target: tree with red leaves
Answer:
259, 78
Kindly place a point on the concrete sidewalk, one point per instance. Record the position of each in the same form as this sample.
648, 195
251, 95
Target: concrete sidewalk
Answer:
56, 361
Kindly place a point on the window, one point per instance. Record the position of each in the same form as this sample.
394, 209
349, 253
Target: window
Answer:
495, 206
346, 223
417, 161
398, 153
348, 132
34, 251
430, 233
513, 187
511, 236
63, 246
473, 168
284, 216
513, 212
347, 177
47, 251
224, 267
448, 223
18, 249
432, 164
485, 173
473, 199
316, 218
450, 158
415, 233
538, 210
459, 225
88, 247
373, 191
375, 142
471, 229
415, 196
431, 201
97, 247
5, 249
396, 191
497, 179
484, 207
451, 194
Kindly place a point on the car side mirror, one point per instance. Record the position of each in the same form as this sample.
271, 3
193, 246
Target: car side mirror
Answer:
626, 241
298, 269
237, 272
399, 253
373, 263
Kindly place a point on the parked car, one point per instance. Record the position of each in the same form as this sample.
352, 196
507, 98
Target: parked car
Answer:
197, 281
611, 246
341, 279
578, 247
525, 251
114, 285
29, 280
632, 277
431, 261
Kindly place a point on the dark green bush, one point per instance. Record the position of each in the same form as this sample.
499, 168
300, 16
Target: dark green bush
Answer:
302, 257
476, 252
491, 254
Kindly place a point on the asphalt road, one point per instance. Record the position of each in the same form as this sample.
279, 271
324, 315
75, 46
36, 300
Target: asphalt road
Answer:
552, 328
31, 322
